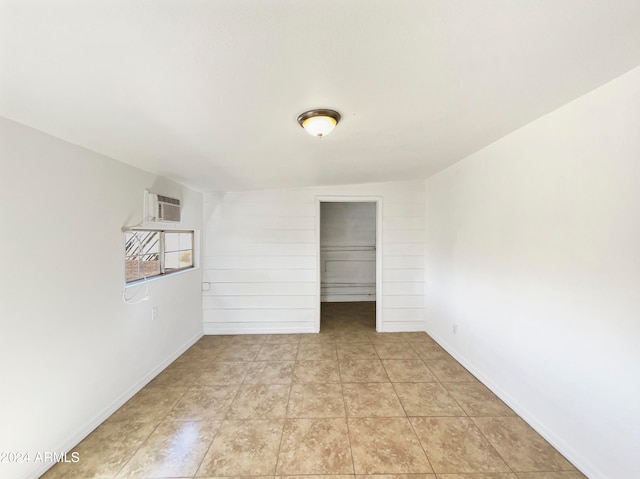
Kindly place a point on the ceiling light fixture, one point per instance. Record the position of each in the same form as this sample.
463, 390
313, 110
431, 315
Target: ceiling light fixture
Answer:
319, 122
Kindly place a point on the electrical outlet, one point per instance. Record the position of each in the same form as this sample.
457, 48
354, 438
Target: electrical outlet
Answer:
154, 313
455, 329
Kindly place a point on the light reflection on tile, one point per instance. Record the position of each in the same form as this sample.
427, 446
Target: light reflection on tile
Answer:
174, 449
104, 452
203, 403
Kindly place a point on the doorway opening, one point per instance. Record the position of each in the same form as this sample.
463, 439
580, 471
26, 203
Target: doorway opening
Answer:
349, 264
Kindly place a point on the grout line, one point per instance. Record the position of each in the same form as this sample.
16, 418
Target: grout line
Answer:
492, 446
284, 423
346, 420
420, 442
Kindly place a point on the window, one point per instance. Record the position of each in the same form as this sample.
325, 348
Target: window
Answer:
150, 253
178, 251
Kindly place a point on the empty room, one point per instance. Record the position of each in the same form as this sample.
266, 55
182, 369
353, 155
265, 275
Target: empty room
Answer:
326, 240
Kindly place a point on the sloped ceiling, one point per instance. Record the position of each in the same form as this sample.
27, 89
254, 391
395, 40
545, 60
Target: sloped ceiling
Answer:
207, 92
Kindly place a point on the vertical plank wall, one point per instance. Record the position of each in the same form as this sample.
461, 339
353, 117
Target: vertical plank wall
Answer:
260, 251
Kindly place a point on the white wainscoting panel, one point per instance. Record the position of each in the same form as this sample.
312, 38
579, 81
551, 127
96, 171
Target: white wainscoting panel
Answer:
260, 250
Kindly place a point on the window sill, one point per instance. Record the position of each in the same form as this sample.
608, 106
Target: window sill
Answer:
140, 282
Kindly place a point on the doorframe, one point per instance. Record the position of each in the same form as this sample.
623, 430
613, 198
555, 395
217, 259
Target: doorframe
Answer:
351, 199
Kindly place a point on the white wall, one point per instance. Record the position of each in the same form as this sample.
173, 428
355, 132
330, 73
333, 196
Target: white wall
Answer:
348, 251
533, 251
261, 260
71, 350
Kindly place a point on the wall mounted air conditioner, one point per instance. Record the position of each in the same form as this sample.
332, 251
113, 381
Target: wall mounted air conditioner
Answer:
163, 208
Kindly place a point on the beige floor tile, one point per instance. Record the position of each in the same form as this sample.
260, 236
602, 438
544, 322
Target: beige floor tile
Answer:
551, 475
408, 371
428, 350
362, 371
379, 338
239, 352
283, 338
354, 333
455, 444
204, 403
176, 377
174, 449
417, 337
278, 352
270, 372
477, 400
497, 475
316, 401
243, 448
395, 351
365, 325
149, 405
449, 370
299, 380
260, 401
520, 446
316, 372
104, 452
386, 446
209, 341
198, 356
324, 338
351, 331
317, 351
315, 446
327, 327
427, 399
246, 339
395, 476
356, 351
371, 400
230, 477
223, 373
319, 476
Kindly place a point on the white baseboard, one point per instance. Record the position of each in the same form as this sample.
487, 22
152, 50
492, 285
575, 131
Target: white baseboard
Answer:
284, 327
578, 460
403, 326
99, 418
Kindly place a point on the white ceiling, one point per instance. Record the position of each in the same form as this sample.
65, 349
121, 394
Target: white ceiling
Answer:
207, 92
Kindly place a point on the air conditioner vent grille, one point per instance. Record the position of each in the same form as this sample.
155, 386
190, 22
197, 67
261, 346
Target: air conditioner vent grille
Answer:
166, 199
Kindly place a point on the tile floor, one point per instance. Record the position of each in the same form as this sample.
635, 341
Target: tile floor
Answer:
346, 402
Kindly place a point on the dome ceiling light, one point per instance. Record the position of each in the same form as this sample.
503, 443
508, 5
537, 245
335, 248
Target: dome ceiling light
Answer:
319, 122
